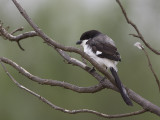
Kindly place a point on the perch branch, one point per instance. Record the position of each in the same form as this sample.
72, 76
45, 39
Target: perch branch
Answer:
66, 110
139, 35
80, 64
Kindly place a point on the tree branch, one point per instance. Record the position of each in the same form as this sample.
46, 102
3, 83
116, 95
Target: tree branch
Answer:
17, 30
151, 68
34, 78
66, 110
11, 37
137, 44
18, 37
139, 35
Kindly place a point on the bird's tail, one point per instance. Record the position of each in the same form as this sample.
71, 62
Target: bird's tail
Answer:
121, 88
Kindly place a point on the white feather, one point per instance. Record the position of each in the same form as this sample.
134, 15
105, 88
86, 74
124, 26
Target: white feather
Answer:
98, 52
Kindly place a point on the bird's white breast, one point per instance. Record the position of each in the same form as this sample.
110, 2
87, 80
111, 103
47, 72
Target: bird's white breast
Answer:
104, 62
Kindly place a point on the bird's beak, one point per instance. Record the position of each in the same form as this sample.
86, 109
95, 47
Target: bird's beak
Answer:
78, 42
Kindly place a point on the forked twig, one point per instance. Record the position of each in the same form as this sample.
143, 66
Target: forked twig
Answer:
4, 33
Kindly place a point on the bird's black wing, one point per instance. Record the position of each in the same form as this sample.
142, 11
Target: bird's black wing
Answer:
105, 46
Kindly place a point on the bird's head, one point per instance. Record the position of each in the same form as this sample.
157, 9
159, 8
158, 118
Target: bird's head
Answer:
88, 35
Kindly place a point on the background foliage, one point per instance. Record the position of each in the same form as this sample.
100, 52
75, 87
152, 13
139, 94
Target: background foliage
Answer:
65, 21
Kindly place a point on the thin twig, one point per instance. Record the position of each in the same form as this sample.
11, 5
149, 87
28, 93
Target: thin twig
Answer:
151, 68
66, 110
20, 46
139, 35
139, 46
16, 38
17, 30
134, 35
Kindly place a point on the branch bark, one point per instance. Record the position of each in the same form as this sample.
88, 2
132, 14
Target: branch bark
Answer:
42, 81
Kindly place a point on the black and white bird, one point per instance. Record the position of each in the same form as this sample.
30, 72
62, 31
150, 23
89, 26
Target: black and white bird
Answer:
102, 49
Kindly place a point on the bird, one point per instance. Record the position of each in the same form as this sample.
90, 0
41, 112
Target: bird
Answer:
103, 50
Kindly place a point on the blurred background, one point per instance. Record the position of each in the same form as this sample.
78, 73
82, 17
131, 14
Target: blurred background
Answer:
65, 21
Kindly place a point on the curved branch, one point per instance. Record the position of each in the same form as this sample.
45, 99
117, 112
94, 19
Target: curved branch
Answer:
70, 111
19, 37
11, 37
137, 30
72, 87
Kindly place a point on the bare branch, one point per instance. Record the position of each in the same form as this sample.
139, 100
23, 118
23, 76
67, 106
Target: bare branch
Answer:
18, 42
17, 30
137, 44
72, 87
66, 110
18, 37
4, 33
134, 35
151, 68
137, 30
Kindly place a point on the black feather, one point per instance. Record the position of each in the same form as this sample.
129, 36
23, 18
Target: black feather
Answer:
105, 45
